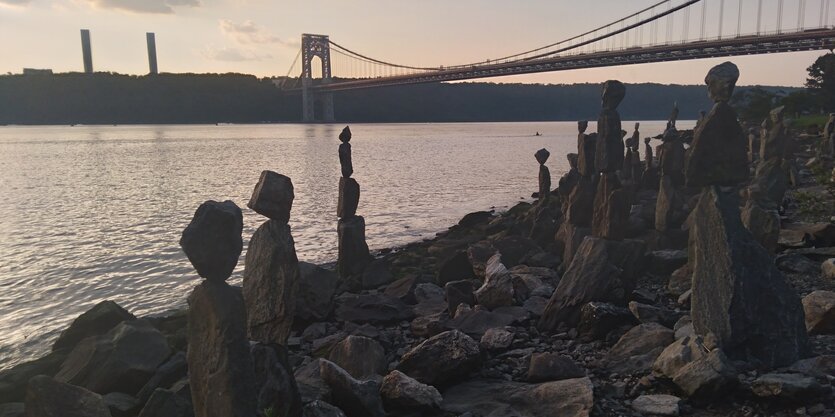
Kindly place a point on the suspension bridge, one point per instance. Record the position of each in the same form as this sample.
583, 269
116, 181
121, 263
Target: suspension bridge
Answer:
669, 30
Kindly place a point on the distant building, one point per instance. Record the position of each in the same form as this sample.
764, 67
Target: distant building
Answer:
152, 53
36, 71
86, 51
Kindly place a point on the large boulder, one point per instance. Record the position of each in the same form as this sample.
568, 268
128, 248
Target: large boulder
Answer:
360, 356
763, 223
166, 403
476, 322
316, 289
46, 397
566, 398
13, 380
788, 386
220, 366
819, 311
122, 360
442, 359
274, 380
552, 367
677, 355
93, 322
273, 196
353, 250
639, 347
455, 268
598, 319
212, 241
355, 398
371, 308
739, 295
497, 290
271, 281
657, 405
710, 375
458, 292
400, 392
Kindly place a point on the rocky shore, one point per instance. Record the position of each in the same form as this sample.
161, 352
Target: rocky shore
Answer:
698, 280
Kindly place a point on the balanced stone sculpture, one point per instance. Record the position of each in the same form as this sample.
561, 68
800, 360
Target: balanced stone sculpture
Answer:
669, 213
739, 297
544, 176
611, 202
649, 178
221, 373
271, 272
579, 205
353, 249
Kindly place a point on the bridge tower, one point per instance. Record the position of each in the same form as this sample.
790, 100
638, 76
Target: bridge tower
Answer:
316, 46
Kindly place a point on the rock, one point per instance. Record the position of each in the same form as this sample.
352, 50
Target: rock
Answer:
442, 359
651, 314
571, 238
428, 326
475, 323
355, 398
721, 81
657, 405
668, 207
797, 264
542, 156
274, 380
459, 292
598, 319
552, 367
819, 311
680, 280
371, 308
581, 203
270, 284
46, 397
611, 208
273, 196
120, 404
544, 183
376, 274
818, 366
497, 290
677, 355
310, 384
13, 380
174, 369
353, 251
710, 375
404, 288
316, 288
739, 295
828, 268
475, 218
400, 392
664, 262
477, 254
166, 403
793, 387
640, 340
361, 357
321, 409
717, 155
609, 149
566, 398
122, 360
516, 249
771, 181
94, 322
12, 410
602, 270
684, 327
220, 366
345, 162
496, 339
349, 198
585, 150
212, 241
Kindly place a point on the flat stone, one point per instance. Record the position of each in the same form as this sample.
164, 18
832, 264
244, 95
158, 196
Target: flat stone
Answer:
497, 290
793, 387
497, 339
355, 398
442, 359
566, 398
400, 392
657, 404
273, 196
212, 241
819, 312
640, 340
93, 322
349, 198
46, 397
552, 367
371, 308
361, 357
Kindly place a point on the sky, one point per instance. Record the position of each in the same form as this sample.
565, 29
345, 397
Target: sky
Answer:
262, 37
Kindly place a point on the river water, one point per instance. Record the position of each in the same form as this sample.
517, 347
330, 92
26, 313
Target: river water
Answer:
91, 213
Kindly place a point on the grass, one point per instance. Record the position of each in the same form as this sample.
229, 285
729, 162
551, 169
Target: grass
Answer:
804, 122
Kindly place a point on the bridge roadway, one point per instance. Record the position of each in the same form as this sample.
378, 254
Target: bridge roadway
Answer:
809, 40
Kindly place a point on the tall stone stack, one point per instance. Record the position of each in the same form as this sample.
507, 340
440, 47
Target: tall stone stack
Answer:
649, 178
739, 298
611, 202
545, 219
353, 250
568, 181
271, 272
632, 161
221, 373
544, 176
577, 212
669, 213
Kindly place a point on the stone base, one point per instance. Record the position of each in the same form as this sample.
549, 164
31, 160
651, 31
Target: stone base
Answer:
353, 251
349, 198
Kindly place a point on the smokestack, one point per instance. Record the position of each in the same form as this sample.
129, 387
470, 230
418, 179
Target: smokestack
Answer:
86, 51
152, 53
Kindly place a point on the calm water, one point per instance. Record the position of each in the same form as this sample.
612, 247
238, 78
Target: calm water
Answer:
95, 213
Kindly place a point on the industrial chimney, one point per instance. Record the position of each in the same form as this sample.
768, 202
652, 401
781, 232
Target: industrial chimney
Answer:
152, 53
86, 51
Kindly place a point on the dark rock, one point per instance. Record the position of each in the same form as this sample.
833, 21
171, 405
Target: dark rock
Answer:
797, 264
459, 292
718, 154
721, 81
442, 359
476, 322
819, 312
94, 322
739, 295
580, 207
12, 410
273, 196
763, 224
353, 250
542, 156
497, 290
535, 306
597, 319
345, 162
429, 298
310, 384
792, 387
166, 375
349, 198
708, 376
220, 366
321, 409
552, 367
664, 262
818, 366
212, 241
640, 340
120, 404
668, 207
497, 338
514, 249
651, 314
680, 280
571, 237
316, 289
611, 208
376, 274
544, 183
475, 218
428, 326
13, 380
165, 403
657, 405
371, 308
270, 284
586, 151
345, 135
355, 398
566, 398
46, 397
122, 360
360, 356
274, 380
400, 392
455, 268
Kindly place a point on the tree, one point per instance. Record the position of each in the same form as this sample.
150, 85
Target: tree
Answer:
822, 79
753, 104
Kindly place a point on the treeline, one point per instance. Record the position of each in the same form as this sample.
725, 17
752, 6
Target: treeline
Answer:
106, 98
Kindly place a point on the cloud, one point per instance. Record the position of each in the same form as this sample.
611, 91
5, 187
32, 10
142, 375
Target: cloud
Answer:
233, 54
142, 6
16, 2
247, 32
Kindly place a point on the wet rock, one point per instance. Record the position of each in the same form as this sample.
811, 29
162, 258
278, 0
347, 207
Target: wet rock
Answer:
166, 403
270, 284
459, 292
321, 409
442, 359
657, 404
496, 339
400, 392
46, 397
360, 356
786, 386
708, 376
566, 398
355, 398
220, 367
819, 311
122, 360
349, 198
353, 250
212, 241
497, 290
13, 380
552, 367
273, 196
274, 380
598, 319
476, 322
371, 308
94, 322
316, 288
828, 268
677, 355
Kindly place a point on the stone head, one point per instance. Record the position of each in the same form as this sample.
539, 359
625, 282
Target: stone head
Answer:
637, 125
776, 114
573, 160
582, 125
721, 81
542, 155
345, 136
646, 140
613, 93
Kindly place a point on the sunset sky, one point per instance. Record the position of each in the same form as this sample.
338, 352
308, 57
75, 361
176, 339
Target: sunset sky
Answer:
261, 37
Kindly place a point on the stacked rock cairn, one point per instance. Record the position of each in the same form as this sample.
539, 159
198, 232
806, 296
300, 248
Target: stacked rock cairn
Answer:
353, 250
669, 211
577, 213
